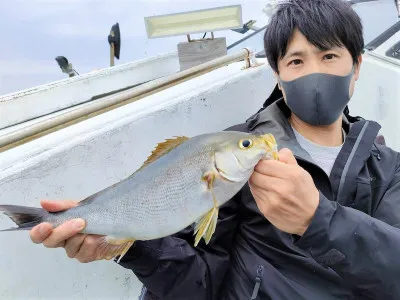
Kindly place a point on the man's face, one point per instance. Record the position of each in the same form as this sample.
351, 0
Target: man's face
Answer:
303, 58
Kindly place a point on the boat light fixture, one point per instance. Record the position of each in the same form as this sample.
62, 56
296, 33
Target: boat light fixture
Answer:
198, 21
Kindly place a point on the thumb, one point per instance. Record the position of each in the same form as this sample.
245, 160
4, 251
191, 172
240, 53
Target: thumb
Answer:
55, 206
286, 156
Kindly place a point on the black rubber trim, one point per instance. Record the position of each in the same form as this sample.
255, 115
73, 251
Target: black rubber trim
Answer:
383, 37
352, 2
246, 37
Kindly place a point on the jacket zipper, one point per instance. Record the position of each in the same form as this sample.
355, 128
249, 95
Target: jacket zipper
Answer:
260, 273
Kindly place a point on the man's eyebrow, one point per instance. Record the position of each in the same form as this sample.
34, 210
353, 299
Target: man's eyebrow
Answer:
294, 53
302, 53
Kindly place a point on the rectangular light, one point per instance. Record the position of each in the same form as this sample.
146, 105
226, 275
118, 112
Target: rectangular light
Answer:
198, 21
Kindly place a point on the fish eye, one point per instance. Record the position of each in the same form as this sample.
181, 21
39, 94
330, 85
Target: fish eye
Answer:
245, 144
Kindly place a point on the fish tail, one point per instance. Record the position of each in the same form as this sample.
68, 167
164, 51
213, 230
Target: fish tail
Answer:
25, 217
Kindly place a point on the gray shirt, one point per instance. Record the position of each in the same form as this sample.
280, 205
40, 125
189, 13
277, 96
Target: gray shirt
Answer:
323, 156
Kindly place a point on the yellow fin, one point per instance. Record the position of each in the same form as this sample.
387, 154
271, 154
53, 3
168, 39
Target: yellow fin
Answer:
271, 143
163, 148
111, 247
205, 227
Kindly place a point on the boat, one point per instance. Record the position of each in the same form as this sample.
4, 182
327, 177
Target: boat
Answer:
71, 138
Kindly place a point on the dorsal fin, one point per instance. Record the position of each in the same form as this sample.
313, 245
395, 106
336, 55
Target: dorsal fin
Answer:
163, 148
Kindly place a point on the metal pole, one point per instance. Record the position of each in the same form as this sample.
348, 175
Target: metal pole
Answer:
112, 52
246, 37
95, 108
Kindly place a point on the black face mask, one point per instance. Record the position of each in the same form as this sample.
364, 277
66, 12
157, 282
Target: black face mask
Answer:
318, 98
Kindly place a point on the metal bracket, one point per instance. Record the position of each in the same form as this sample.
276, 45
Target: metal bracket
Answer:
190, 40
250, 60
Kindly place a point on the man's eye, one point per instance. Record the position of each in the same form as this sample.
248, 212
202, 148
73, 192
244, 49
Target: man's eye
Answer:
330, 56
296, 62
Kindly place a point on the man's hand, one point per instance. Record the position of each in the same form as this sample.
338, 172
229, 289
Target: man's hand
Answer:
83, 247
285, 193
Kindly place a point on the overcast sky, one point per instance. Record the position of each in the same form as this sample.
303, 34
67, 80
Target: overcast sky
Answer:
34, 32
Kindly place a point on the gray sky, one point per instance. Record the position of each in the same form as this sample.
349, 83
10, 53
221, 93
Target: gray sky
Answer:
34, 32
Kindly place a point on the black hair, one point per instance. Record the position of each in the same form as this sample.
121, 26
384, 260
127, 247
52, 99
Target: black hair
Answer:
325, 24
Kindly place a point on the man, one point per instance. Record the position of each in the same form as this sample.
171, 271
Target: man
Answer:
321, 223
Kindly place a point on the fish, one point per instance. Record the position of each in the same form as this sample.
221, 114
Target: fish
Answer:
182, 183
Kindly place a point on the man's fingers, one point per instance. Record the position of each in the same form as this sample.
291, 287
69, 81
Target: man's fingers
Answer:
261, 181
64, 232
265, 199
40, 232
286, 156
274, 168
88, 250
55, 206
73, 244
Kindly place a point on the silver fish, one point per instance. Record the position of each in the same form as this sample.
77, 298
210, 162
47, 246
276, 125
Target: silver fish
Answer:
183, 182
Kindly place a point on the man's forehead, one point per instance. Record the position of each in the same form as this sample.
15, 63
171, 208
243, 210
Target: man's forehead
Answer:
299, 43
306, 48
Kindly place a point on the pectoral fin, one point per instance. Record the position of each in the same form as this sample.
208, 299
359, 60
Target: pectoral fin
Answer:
205, 227
112, 247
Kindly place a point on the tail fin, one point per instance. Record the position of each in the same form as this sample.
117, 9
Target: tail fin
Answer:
25, 217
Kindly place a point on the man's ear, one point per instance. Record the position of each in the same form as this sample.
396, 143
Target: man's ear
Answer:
357, 68
277, 80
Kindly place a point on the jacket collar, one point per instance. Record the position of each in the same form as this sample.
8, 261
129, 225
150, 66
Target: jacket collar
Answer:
355, 151
274, 119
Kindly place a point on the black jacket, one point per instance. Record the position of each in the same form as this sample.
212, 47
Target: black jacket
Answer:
351, 250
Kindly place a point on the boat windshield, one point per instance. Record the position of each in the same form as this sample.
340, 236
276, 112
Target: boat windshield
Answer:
254, 40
